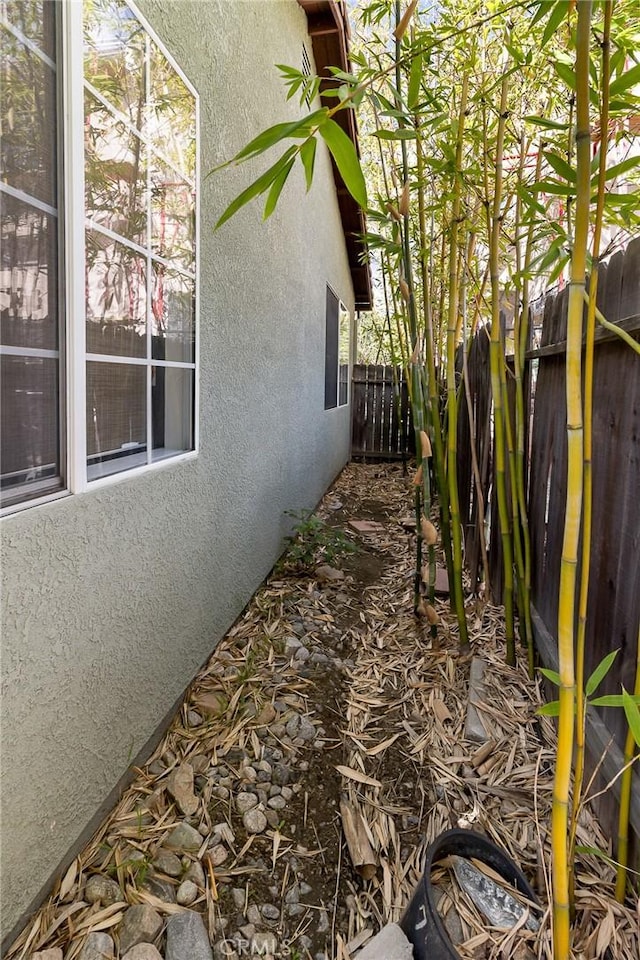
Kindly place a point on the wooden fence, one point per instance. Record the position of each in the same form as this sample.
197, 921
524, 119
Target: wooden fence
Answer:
381, 422
614, 597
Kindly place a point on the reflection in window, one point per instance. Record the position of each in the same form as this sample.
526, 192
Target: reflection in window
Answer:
140, 199
114, 57
30, 443
172, 122
344, 355
116, 298
172, 211
115, 174
28, 120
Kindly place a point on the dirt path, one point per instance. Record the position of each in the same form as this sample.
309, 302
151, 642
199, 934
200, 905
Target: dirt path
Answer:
236, 817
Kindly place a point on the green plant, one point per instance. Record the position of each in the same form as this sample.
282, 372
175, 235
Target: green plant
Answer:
313, 541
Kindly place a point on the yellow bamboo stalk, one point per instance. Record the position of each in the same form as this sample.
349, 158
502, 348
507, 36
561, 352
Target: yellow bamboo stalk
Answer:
625, 797
496, 360
573, 511
452, 399
578, 775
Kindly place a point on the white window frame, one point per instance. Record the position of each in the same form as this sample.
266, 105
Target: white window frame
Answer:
73, 328
343, 312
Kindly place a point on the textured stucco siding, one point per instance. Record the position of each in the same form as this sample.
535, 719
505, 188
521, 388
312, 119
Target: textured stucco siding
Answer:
113, 598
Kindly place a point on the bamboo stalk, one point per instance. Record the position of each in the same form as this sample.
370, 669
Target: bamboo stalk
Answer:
521, 337
496, 363
452, 400
568, 566
581, 705
630, 748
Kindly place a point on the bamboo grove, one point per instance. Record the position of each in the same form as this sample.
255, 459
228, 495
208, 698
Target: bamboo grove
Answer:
492, 135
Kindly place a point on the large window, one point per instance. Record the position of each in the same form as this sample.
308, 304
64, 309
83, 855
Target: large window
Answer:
337, 352
130, 238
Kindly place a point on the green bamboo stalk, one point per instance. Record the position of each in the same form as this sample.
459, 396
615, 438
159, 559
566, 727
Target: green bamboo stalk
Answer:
497, 370
452, 400
568, 566
521, 337
587, 510
630, 748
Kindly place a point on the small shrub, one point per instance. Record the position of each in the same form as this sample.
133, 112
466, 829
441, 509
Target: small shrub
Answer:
313, 541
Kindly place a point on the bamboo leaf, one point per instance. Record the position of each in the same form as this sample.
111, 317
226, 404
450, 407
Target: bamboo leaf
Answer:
402, 133
623, 167
552, 186
271, 136
552, 675
551, 709
558, 14
633, 715
546, 123
276, 189
612, 700
600, 673
544, 6
344, 153
352, 774
565, 73
308, 157
628, 79
256, 188
415, 76
561, 166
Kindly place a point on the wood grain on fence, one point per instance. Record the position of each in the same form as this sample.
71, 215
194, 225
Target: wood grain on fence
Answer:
613, 615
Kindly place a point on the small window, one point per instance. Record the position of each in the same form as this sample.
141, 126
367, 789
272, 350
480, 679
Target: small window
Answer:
337, 353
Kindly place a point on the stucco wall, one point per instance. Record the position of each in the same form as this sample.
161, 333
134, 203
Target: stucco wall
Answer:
113, 598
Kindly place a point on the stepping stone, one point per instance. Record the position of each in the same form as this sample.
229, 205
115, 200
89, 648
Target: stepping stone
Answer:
474, 728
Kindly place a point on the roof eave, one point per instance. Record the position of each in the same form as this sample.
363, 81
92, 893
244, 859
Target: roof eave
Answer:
329, 31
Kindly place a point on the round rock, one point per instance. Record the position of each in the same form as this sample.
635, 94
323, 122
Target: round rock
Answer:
101, 889
254, 821
187, 893
246, 802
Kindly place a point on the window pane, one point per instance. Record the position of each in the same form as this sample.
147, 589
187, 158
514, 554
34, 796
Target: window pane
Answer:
173, 326
28, 276
114, 54
115, 174
172, 217
172, 118
344, 353
116, 417
331, 350
116, 298
35, 19
29, 450
28, 152
172, 410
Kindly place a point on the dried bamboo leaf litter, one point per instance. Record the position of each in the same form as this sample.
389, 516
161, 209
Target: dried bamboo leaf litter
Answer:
384, 710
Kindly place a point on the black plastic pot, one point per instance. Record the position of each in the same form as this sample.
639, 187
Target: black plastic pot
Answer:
421, 922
